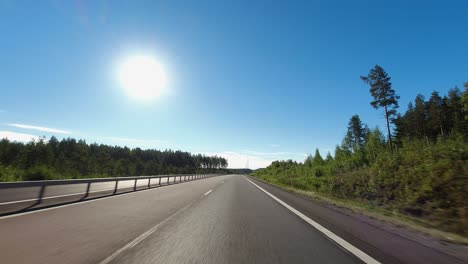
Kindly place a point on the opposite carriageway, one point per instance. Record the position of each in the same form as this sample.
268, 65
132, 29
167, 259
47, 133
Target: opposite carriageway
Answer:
17, 197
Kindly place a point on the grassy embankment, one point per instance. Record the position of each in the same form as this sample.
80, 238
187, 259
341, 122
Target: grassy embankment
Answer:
422, 186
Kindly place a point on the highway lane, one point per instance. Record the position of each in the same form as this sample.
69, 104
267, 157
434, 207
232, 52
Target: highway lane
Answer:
236, 223
27, 193
25, 198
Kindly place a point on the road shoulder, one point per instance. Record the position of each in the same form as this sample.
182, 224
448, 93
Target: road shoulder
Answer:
385, 241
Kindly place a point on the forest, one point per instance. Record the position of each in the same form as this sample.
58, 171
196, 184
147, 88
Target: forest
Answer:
417, 167
72, 159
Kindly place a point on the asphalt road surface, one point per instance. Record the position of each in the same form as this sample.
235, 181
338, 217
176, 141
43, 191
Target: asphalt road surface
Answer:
225, 219
27, 193
20, 199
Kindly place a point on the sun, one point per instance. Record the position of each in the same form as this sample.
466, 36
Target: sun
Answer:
142, 77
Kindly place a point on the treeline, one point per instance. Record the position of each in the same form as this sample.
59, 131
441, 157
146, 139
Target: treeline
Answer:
69, 158
419, 169
436, 117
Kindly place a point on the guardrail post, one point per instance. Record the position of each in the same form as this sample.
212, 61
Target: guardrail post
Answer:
87, 190
159, 180
149, 183
116, 186
134, 186
41, 193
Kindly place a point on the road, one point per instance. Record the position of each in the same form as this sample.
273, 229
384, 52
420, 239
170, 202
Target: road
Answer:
18, 199
27, 193
225, 219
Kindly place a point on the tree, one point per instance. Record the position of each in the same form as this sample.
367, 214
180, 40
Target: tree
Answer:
317, 160
356, 134
454, 112
465, 100
420, 117
384, 96
70, 158
375, 145
434, 111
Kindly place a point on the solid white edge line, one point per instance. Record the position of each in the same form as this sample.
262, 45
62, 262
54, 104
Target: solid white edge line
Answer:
141, 237
343, 243
56, 196
66, 205
208, 192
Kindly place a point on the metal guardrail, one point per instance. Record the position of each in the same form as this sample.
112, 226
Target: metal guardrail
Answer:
171, 179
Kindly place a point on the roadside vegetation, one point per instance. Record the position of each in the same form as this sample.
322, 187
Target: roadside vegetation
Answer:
72, 159
418, 168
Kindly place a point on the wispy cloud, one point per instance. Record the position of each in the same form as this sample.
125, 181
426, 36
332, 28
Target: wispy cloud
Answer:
2, 111
274, 145
20, 137
39, 128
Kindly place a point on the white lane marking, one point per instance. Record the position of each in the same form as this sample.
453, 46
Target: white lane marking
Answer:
343, 243
208, 192
66, 205
73, 194
72, 204
143, 236
52, 197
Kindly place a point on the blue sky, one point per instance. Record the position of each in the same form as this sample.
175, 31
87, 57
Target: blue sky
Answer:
252, 81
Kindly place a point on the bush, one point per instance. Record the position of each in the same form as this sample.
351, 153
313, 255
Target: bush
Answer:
39, 173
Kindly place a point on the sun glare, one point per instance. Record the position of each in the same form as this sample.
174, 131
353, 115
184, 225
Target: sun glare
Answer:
142, 77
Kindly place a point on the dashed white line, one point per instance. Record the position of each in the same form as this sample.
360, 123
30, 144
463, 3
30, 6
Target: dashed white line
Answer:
208, 192
343, 243
143, 236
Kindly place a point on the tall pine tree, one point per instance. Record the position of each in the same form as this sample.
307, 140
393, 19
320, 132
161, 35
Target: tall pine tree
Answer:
384, 96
